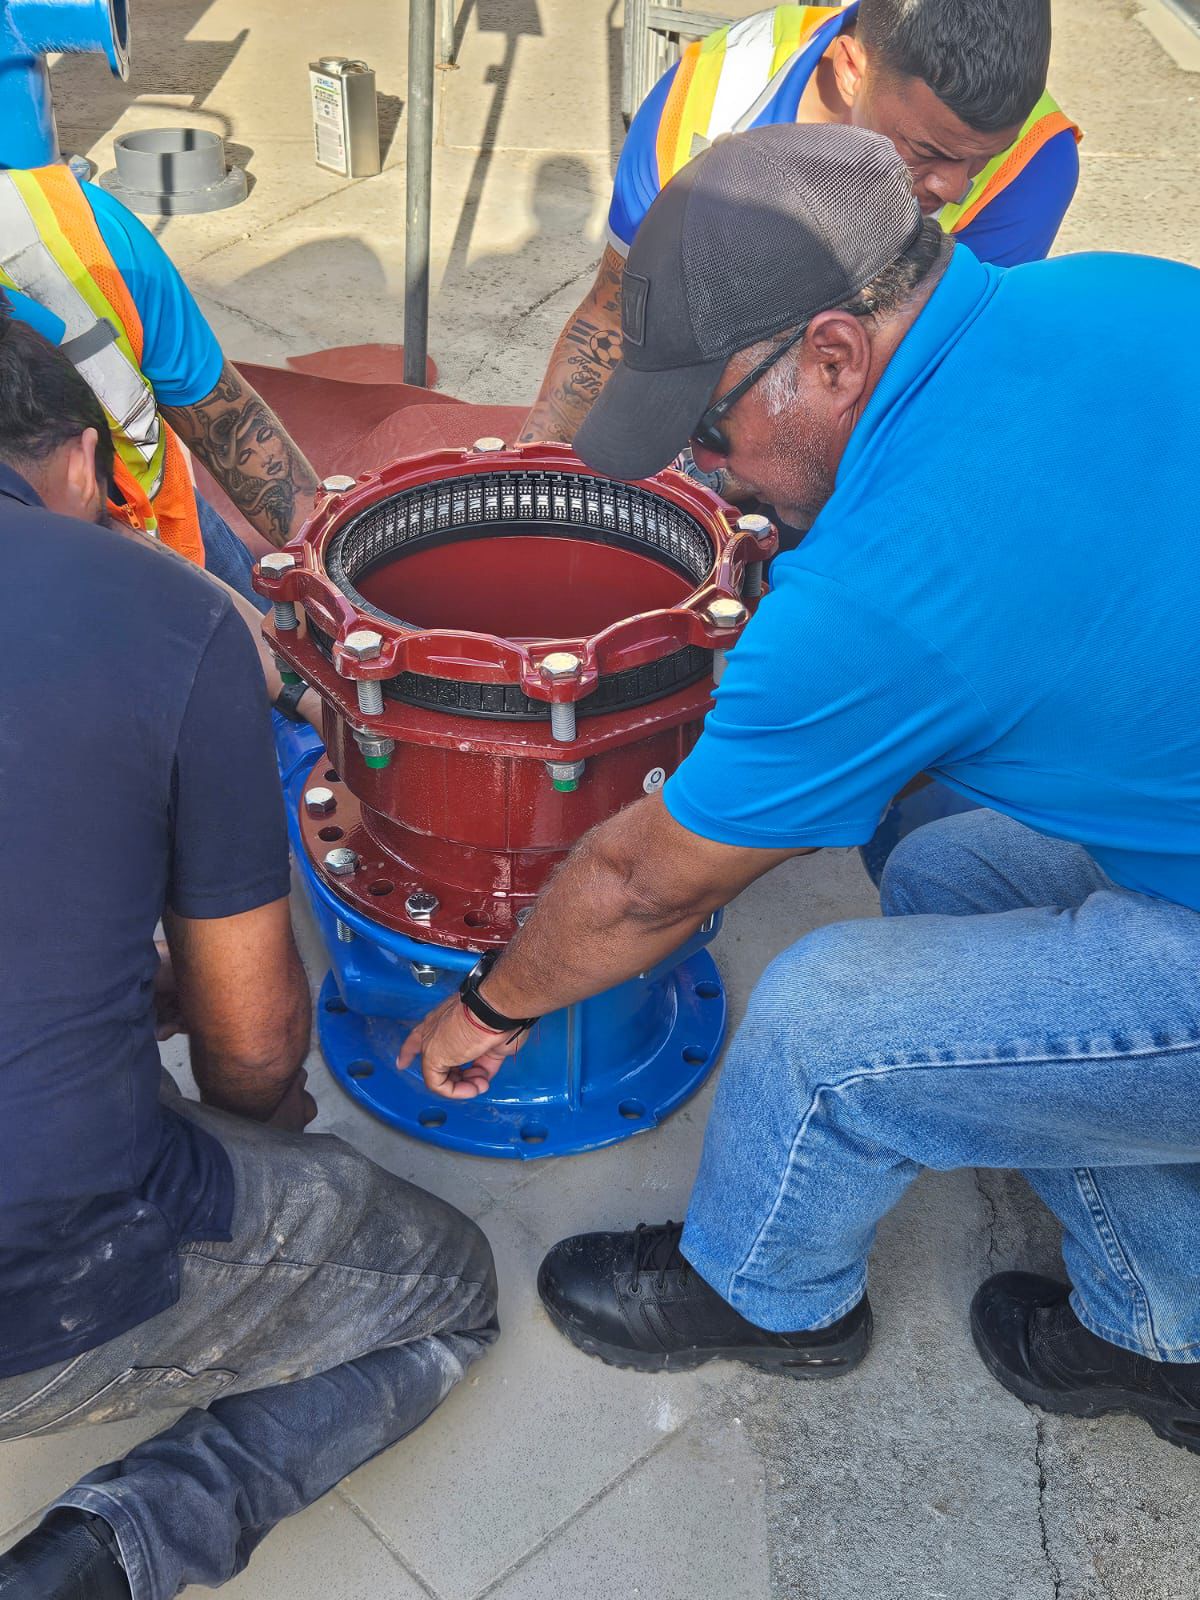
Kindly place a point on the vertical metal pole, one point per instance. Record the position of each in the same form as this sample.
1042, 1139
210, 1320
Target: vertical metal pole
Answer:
422, 28
445, 33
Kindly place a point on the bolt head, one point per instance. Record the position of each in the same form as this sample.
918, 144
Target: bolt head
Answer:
421, 905
726, 612
362, 644
754, 524
488, 445
561, 664
337, 483
276, 563
341, 862
319, 802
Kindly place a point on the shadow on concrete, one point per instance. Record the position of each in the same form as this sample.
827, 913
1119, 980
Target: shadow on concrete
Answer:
390, 108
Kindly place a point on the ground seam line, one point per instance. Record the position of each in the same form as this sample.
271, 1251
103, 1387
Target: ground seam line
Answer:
397, 1556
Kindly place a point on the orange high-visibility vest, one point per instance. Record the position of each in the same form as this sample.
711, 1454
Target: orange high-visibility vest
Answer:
51, 249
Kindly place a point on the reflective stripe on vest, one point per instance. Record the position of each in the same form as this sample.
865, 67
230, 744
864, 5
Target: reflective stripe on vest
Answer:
733, 69
38, 259
1040, 126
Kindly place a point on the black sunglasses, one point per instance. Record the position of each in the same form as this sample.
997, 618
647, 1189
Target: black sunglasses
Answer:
707, 432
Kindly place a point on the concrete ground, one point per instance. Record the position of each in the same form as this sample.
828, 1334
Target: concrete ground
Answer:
548, 1474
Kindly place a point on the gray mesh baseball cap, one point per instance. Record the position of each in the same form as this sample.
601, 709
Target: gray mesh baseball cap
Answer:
759, 233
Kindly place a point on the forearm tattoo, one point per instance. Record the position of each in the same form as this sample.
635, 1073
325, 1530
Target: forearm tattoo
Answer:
247, 449
587, 351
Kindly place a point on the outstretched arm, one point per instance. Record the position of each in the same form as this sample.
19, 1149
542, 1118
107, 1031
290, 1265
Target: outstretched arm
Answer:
588, 349
244, 445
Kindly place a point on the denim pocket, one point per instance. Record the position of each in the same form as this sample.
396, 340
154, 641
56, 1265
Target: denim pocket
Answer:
63, 1403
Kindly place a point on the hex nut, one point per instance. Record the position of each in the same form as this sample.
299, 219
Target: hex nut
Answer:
341, 862
363, 644
276, 562
725, 612
420, 905
319, 802
488, 445
337, 483
754, 523
561, 664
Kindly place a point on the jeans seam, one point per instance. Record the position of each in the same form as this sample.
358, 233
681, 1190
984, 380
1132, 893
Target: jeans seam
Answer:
123, 1523
1089, 1192
195, 1254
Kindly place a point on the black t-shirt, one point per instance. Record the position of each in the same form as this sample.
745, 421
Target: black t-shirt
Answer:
136, 773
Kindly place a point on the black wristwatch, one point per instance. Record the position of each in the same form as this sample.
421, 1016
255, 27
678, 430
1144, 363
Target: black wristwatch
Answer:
288, 699
478, 1006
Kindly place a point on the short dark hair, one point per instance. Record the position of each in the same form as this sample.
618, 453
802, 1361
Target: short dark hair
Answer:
900, 279
985, 59
44, 403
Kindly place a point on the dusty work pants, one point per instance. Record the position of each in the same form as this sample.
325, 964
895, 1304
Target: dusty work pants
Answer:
343, 1310
1014, 1008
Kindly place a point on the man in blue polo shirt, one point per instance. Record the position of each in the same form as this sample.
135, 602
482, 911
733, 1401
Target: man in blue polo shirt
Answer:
1001, 586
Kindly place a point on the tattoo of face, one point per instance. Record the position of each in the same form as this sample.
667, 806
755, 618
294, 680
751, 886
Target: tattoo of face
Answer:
247, 449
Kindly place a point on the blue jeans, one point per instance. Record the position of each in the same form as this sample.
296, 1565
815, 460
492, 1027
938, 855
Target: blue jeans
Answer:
344, 1308
1014, 1009
225, 556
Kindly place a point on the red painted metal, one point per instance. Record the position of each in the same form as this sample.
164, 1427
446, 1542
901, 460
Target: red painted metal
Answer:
466, 808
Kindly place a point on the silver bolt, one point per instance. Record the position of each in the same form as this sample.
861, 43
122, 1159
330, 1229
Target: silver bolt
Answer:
562, 722
754, 524
337, 483
488, 445
364, 644
421, 905
373, 749
566, 773
752, 580
341, 862
524, 915
560, 664
319, 802
345, 932
726, 612
283, 611
370, 697
425, 975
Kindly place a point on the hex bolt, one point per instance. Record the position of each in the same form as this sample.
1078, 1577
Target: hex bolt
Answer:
754, 524
370, 697
487, 446
558, 666
565, 775
343, 863
421, 905
562, 722
337, 483
725, 612
752, 580
319, 802
363, 644
425, 975
376, 752
345, 932
275, 564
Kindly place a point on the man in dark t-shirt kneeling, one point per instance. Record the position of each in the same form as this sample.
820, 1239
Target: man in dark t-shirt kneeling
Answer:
141, 1235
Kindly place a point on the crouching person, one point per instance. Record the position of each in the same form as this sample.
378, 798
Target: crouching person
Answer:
304, 1308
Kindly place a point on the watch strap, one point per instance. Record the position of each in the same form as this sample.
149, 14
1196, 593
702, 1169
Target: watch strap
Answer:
287, 701
479, 1008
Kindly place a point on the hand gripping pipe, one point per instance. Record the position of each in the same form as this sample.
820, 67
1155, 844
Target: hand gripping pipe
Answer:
509, 649
29, 31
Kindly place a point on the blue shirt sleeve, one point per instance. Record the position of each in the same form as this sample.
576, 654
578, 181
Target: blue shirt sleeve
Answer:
636, 184
180, 353
826, 709
231, 796
1021, 222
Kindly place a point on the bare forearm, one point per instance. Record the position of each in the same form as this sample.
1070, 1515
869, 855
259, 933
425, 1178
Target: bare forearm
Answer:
251, 455
587, 351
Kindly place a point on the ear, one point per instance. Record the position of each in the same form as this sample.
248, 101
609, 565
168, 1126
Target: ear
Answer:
837, 355
849, 62
83, 487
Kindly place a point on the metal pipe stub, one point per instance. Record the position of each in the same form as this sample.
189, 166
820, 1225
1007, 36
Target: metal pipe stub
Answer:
166, 172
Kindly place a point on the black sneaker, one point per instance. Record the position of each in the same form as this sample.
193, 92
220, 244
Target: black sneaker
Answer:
72, 1555
635, 1301
1034, 1344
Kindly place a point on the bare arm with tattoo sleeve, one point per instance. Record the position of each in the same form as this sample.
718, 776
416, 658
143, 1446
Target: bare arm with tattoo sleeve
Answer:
247, 449
588, 349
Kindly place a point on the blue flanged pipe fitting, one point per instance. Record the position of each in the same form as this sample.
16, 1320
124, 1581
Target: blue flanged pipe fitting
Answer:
30, 30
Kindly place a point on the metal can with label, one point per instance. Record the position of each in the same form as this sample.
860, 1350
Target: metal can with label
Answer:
345, 116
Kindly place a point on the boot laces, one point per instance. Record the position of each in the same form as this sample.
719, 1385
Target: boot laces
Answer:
656, 1249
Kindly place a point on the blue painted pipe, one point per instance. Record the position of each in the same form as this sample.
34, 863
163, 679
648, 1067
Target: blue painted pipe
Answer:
30, 30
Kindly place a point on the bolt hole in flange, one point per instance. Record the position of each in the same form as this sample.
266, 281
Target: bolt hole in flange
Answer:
432, 1119
380, 887
632, 1110
709, 991
331, 776
331, 833
360, 1069
534, 1133
337, 1005
477, 919
694, 1054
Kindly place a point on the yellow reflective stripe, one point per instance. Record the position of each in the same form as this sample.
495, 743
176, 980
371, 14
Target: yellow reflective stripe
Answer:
794, 26
949, 215
696, 114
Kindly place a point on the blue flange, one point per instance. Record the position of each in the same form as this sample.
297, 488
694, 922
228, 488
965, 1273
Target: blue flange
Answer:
588, 1076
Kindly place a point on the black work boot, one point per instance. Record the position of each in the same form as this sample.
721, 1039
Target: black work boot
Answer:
635, 1301
1034, 1344
72, 1555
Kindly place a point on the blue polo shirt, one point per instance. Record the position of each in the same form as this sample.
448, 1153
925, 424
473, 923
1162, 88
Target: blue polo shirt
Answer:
1003, 589
137, 774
